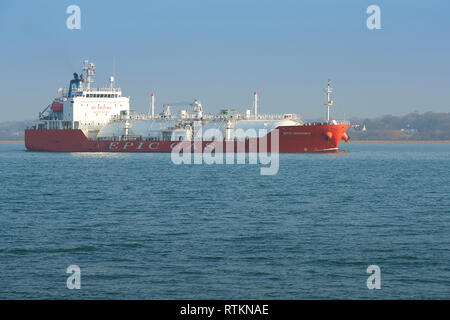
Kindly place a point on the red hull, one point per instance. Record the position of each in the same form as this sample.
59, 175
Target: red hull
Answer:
293, 139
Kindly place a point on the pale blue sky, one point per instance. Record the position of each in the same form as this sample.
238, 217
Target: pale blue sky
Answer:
220, 51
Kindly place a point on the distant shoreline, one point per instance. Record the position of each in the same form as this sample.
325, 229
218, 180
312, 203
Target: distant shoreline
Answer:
11, 141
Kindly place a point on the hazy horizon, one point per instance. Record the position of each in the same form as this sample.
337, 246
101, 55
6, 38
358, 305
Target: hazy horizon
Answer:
221, 51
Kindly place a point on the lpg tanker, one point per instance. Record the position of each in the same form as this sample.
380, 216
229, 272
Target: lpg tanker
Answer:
83, 118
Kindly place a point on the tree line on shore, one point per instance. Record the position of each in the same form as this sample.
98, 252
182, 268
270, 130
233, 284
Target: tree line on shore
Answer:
413, 126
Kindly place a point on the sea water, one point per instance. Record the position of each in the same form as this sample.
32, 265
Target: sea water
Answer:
140, 227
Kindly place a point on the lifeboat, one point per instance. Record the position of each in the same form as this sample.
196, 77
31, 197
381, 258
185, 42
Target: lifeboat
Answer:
57, 106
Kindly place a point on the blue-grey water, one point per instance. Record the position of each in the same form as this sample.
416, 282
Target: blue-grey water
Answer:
140, 227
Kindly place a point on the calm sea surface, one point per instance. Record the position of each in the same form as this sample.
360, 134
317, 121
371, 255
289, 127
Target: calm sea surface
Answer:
140, 227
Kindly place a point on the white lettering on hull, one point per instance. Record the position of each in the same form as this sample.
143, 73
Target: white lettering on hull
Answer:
127, 144
113, 145
150, 146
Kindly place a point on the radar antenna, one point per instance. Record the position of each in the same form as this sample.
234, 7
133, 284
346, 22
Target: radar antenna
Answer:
89, 69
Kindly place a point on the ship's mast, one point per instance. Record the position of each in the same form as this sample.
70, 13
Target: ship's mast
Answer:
152, 106
255, 104
89, 69
330, 102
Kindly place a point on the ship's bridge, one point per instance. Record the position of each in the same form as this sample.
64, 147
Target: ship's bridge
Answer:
81, 106
97, 92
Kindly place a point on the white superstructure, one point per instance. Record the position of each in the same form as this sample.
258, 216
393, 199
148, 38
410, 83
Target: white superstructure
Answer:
103, 114
83, 107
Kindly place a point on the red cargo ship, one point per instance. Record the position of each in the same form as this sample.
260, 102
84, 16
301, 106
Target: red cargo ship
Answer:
86, 119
